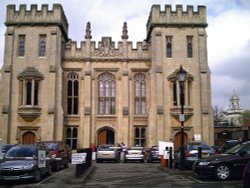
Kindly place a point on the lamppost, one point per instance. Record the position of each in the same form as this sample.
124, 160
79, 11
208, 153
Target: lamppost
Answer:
181, 77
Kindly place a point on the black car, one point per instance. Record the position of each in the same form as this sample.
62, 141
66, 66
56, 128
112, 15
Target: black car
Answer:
229, 144
153, 154
246, 176
224, 166
23, 162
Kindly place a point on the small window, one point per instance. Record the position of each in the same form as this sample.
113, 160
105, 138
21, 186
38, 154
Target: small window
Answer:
42, 45
72, 137
169, 46
21, 45
140, 136
189, 46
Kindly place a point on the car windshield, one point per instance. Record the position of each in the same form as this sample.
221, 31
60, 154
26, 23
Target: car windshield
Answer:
196, 146
6, 148
18, 151
236, 148
52, 146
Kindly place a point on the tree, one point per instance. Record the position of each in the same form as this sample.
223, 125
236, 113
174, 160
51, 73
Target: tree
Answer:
246, 116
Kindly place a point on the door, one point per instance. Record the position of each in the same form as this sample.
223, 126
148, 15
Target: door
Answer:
29, 138
106, 136
177, 141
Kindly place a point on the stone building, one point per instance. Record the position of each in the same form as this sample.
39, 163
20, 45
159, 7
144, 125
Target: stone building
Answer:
100, 93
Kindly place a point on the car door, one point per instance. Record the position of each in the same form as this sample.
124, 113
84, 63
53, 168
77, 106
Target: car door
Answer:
242, 159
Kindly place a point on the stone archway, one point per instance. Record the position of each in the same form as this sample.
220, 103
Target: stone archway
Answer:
177, 140
106, 136
29, 138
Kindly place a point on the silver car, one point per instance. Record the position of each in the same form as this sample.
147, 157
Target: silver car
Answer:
107, 153
134, 154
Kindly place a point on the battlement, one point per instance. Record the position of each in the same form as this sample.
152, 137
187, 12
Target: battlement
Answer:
178, 17
34, 16
106, 50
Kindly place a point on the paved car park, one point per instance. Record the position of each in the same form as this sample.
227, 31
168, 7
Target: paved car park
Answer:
133, 175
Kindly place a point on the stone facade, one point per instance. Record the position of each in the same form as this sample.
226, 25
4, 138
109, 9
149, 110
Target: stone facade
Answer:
95, 94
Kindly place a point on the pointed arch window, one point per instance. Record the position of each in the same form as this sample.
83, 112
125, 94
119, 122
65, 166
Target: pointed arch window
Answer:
21, 45
169, 46
106, 94
42, 45
72, 93
189, 46
140, 94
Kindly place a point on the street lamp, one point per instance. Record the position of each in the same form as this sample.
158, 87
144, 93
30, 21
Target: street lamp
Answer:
181, 74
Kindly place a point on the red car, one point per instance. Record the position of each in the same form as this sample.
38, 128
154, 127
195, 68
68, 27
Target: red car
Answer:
60, 152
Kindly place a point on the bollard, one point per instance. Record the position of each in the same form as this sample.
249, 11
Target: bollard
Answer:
199, 152
81, 168
166, 156
170, 158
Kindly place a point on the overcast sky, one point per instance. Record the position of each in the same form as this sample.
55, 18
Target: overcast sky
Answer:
228, 34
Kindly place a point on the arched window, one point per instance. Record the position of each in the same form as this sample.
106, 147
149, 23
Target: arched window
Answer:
169, 46
140, 94
21, 45
189, 46
42, 45
106, 94
72, 94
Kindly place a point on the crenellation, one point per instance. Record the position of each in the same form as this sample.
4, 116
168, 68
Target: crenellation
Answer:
105, 49
23, 16
179, 17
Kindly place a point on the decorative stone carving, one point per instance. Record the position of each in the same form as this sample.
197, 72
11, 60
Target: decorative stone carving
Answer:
87, 110
160, 110
176, 111
107, 49
29, 113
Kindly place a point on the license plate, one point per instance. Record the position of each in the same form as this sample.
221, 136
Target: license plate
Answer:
11, 178
204, 155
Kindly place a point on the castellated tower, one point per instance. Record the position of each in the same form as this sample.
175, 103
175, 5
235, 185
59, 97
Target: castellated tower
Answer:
99, 93
178, 37
32, 73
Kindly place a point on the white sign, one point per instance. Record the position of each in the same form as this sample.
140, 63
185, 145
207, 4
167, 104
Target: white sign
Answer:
163, 145
41, 159
78, 158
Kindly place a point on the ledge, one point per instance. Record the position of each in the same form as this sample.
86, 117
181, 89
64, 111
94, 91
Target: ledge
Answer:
29, 113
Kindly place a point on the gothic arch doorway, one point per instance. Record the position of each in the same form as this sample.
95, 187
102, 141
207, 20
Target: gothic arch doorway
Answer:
106, 136
29, 138
177, 140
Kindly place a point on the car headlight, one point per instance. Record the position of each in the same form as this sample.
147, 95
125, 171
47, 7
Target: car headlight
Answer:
204, 163
28, 166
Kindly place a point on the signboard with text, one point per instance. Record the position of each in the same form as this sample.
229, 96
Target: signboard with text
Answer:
78, 158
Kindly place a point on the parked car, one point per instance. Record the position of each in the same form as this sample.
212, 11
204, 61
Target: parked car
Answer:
5, 148
246, 176
134, 154
60, 152
191, 153
23, 162
229, 144
152, 154
107, 152
226, 165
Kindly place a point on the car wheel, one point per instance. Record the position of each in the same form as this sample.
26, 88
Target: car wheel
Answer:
38, 176
222, 172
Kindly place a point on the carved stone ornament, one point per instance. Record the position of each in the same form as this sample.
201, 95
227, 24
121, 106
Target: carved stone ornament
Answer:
125, 31
107, 49
29, 113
